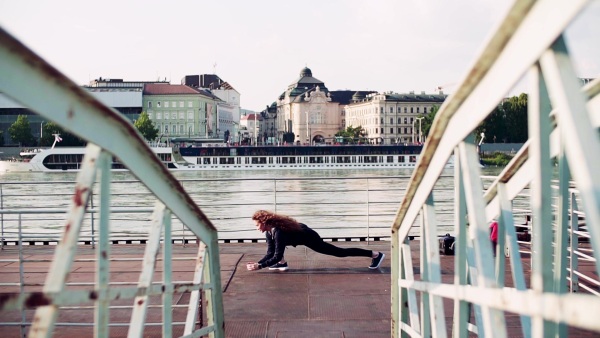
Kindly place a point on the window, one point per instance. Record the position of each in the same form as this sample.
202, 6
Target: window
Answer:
174, 129
399, 120
405, 109
424, 110
149, 104
411, 109
391, 130
173, 104
391, 110
166, 116
181, 115
166, 104
382, 121
180, 104
391, 120
381, 110
411, 120
158, 104
190, 115
190, 105
181, 129
159, 116
174, 115
166, 129
405, 130
399, 130
418, 109
406, 120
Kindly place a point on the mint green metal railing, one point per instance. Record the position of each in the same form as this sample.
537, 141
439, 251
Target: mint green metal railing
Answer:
563, 125
35, 84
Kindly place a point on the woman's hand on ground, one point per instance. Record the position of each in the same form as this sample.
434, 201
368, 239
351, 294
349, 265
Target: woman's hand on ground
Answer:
252, 266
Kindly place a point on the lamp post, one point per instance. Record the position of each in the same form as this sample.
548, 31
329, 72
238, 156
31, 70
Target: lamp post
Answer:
255, 133
307, 136
420, 133
41, 132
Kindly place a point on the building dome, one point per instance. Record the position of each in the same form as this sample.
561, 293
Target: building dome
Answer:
358, 96
305, 72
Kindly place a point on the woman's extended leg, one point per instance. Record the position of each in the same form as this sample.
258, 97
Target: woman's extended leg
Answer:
322, 247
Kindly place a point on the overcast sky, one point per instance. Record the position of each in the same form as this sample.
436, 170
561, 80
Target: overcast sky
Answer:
260, 47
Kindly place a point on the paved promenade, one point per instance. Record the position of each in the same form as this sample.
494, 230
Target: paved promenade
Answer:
319, 296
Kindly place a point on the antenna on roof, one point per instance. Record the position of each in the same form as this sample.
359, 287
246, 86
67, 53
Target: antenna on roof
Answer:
215, 68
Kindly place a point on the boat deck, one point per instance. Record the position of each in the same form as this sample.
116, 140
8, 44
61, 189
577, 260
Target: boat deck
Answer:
319, 296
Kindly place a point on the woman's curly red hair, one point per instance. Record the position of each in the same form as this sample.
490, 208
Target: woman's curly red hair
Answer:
275, 220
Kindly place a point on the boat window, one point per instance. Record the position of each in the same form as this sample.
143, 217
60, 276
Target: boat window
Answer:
413, 159
390, 159
401, 159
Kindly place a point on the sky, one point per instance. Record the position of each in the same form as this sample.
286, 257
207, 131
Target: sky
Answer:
260, 47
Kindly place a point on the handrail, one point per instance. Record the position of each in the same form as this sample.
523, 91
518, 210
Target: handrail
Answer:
563, 126
60, 100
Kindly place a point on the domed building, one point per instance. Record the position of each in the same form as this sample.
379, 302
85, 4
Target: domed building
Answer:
307, 110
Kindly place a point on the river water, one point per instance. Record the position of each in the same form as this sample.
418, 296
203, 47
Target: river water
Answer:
337, 203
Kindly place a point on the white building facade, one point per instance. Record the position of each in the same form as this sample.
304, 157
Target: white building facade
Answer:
307, 111
389, 118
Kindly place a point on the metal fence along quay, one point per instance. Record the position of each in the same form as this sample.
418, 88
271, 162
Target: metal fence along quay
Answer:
557, 170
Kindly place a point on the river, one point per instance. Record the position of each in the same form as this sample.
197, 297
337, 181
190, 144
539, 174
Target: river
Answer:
337, 203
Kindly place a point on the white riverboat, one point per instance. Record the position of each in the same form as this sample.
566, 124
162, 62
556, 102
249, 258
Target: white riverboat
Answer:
225, 157
65, 159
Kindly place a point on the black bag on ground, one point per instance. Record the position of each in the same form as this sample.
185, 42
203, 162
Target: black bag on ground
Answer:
447, 245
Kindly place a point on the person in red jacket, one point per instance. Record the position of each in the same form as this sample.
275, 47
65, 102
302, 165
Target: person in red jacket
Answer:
494, 235
282, 231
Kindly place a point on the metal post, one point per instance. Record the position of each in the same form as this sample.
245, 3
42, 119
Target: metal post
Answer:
21, 277
368, 214
1, 218
92, 220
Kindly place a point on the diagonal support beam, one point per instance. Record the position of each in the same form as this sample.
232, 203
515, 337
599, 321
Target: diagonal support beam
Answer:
140, 304
45, 316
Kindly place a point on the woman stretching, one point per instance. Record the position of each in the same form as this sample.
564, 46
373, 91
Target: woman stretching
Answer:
282, 230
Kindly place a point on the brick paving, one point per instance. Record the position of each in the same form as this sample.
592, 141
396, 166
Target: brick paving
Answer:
319, 296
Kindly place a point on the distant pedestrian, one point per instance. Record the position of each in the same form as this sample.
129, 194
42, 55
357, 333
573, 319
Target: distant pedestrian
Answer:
282, 231
494, 235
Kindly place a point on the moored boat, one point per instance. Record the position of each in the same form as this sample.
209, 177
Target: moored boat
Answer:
64, 159
225, 157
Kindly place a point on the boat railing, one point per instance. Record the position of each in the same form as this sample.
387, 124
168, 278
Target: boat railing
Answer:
58, 99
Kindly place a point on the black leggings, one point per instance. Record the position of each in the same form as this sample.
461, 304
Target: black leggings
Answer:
316, 243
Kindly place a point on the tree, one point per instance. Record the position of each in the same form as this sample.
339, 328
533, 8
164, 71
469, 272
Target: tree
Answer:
146, 127
352, 134
507, 123
427, 121
20, 131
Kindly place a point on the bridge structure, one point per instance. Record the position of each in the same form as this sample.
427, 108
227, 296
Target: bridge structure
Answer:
563, 125
35, 84
563, 121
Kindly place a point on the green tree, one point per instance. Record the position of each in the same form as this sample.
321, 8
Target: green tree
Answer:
427, 121
68, 140
20, 131
352, 135
507, 123
146, 127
